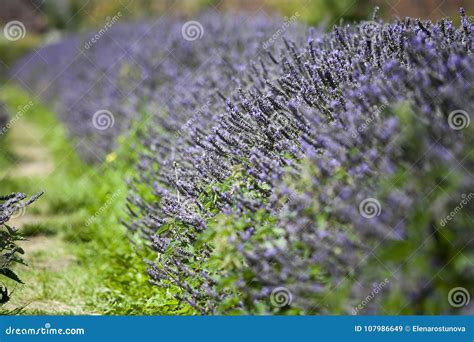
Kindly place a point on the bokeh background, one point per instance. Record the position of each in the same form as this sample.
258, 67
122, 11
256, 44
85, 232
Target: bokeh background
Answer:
48, 20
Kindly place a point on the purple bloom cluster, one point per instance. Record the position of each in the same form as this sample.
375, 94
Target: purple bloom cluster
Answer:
300, 175
139, 69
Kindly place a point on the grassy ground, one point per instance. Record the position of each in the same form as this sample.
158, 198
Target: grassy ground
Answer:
80, 260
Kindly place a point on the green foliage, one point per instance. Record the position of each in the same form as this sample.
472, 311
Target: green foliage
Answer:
11, 51
10, 251
326, 12
9, 254
82, 210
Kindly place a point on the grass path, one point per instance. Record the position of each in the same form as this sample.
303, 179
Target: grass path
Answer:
52, 265
80, 260
33, 158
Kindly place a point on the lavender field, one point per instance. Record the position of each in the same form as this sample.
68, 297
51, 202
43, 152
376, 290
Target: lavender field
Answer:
227, 160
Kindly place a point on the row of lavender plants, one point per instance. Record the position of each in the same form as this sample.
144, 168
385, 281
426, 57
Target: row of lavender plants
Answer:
283, 169
298, 193
99, 83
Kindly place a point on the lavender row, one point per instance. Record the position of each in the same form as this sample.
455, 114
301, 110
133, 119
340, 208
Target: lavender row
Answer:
100, 83
296, 180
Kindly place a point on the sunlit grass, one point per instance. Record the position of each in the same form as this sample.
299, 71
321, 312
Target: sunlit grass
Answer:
77, 265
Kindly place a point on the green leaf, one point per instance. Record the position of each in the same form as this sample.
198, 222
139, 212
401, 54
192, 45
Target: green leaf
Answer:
10, 274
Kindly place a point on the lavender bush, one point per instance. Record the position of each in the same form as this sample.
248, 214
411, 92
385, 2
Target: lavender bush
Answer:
140, 69
322, 154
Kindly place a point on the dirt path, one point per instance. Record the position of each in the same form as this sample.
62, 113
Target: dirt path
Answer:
52, 265
46, 278
33, 159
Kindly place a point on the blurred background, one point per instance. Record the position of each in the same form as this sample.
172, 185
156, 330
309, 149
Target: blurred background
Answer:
47, 21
